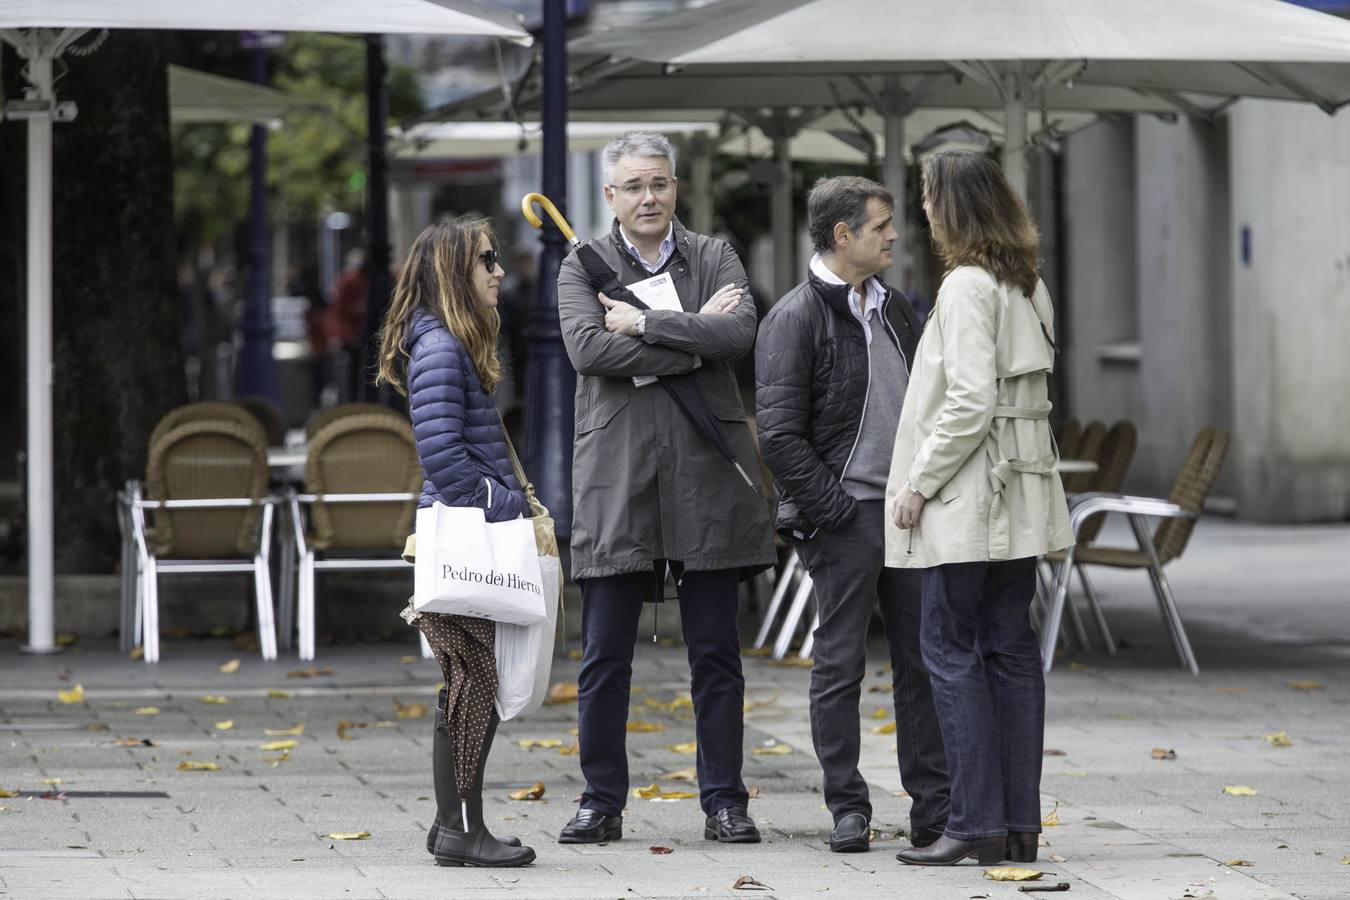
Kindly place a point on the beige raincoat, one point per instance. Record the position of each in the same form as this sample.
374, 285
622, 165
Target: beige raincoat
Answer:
974, 436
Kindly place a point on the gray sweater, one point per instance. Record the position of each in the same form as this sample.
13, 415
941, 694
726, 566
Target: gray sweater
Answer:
865, 475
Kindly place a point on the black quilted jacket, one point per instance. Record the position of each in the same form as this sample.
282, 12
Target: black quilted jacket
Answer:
811, 380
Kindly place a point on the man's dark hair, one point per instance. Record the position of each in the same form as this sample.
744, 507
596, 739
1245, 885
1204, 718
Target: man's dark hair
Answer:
840, 199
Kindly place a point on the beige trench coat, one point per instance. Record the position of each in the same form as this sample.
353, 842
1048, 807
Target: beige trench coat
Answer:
974, 437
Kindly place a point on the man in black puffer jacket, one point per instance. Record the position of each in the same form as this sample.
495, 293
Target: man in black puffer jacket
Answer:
831, 369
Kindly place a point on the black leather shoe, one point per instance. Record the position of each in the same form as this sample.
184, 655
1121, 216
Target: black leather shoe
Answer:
851, 834
590, 826
923, 837
948, 851
731, 825
1021, 846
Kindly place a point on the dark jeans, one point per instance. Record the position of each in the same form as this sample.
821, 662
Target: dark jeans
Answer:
990, 691
609, 618
848, 572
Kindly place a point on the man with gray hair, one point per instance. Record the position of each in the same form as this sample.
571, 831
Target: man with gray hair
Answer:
831, 368
651, 492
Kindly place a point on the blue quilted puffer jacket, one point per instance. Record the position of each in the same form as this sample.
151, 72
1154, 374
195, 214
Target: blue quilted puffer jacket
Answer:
459, 436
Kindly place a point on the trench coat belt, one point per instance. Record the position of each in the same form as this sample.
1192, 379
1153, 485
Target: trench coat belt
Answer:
1001, 468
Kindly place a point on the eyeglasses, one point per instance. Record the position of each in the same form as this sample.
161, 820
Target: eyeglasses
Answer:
490, 258
635, 189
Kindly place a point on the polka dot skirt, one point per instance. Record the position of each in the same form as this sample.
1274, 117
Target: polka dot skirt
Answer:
464, 648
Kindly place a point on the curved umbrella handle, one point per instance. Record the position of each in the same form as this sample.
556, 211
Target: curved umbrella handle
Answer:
527, 209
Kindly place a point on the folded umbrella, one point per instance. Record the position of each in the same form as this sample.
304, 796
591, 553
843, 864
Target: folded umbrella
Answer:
683, 389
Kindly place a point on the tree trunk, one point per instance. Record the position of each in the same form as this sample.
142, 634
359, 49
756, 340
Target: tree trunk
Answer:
118, 342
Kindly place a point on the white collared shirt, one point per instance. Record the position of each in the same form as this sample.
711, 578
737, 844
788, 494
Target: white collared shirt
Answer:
667, 248
864, 309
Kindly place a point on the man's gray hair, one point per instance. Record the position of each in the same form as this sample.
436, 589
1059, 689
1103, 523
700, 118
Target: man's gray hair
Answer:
840, 199
636, 143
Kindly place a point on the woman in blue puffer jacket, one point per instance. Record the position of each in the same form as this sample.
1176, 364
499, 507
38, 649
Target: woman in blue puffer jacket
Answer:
438, 345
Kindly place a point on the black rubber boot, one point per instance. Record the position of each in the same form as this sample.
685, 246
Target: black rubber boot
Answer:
452, 844
442, 768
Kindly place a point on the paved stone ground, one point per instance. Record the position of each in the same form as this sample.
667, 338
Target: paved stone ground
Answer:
1265, 607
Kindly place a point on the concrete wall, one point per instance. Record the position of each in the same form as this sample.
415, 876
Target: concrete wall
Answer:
1291, 295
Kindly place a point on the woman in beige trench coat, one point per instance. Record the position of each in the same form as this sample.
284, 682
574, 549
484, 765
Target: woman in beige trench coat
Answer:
975, 499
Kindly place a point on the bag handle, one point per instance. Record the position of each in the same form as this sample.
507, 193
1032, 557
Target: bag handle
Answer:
536, 508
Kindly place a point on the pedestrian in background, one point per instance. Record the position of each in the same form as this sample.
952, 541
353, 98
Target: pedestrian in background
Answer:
650, 491
831, 369
976, 499
438, 345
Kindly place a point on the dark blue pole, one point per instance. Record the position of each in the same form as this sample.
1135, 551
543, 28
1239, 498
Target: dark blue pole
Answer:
255, 371
552, 381
377, 211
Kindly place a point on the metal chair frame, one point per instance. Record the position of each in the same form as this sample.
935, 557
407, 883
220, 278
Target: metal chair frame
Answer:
1137, 510
149, 567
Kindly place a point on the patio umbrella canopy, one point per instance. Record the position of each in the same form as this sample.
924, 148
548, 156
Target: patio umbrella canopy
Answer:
41, 31
196, 96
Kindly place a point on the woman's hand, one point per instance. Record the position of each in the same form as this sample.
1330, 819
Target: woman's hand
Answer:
908, 506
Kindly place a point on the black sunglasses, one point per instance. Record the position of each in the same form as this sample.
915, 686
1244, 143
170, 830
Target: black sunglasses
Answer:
490, 258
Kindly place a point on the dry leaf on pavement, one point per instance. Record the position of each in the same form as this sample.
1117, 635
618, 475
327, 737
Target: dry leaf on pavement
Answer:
225, 725
1239, 790
278, 745
1238, 862
230, 667
8, 793
561, 692
1345, 860
345, 726
214, 699
1278, 739
793, 662
96, 726
1307, 685
572, 749
1161, 753
410, 711
880, 713
311, 672
349, 835
659, 851
752, 793
293, 731
275, 694
533, 792
51, 781
137, 652
408, 660
773, 750
74, 695
574, 654
746, 883
1052, 819
147, 711
687, 774
540, 743
637, 725
191, 765
1012, 873
888, 728
1230, 690
686, 747
756, 651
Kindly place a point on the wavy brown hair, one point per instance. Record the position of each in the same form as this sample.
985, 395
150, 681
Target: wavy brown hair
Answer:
438, 277
977, 220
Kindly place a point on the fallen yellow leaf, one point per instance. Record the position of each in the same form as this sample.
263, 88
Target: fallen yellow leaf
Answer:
637, 725
225, 725
283, 756
96, 726
572, 749
1239, 790
74, 695
274, 694
1345, 860
888, 728
311, 672
752, 793
408, 660
1307, 685
686, 747
1012, 873
533, 792
561, 692
880, 713
688, 774
1079, 667
411, 710
278, 745
137, 652
756, 651
8, 793
229, 667
51, 781
648, 792
344, 726
214, 699
1161, 753
1051, 820
540, 743
65, 640
1239, 862
773, 750
1278, 739
677, 703
134, 742
147, 711
349, 835
293, 731
677, 795
574, 654
191, 765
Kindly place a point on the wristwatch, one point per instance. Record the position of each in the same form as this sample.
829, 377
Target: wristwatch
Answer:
642, 324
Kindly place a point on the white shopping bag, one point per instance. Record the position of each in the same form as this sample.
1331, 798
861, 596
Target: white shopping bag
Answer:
525, 652
467, 566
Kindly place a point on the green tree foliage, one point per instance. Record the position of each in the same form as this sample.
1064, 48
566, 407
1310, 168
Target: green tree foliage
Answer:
316, 161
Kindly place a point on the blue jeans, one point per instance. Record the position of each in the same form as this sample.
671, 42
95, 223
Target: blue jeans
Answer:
985, 667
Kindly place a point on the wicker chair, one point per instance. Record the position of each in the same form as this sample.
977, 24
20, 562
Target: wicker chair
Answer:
1089, 447
362, 481
332, 414
1168, 541
209, 511
266, 412
1068, 438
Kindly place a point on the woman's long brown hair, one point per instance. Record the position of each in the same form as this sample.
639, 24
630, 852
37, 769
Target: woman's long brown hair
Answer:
977, 220
438, 277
